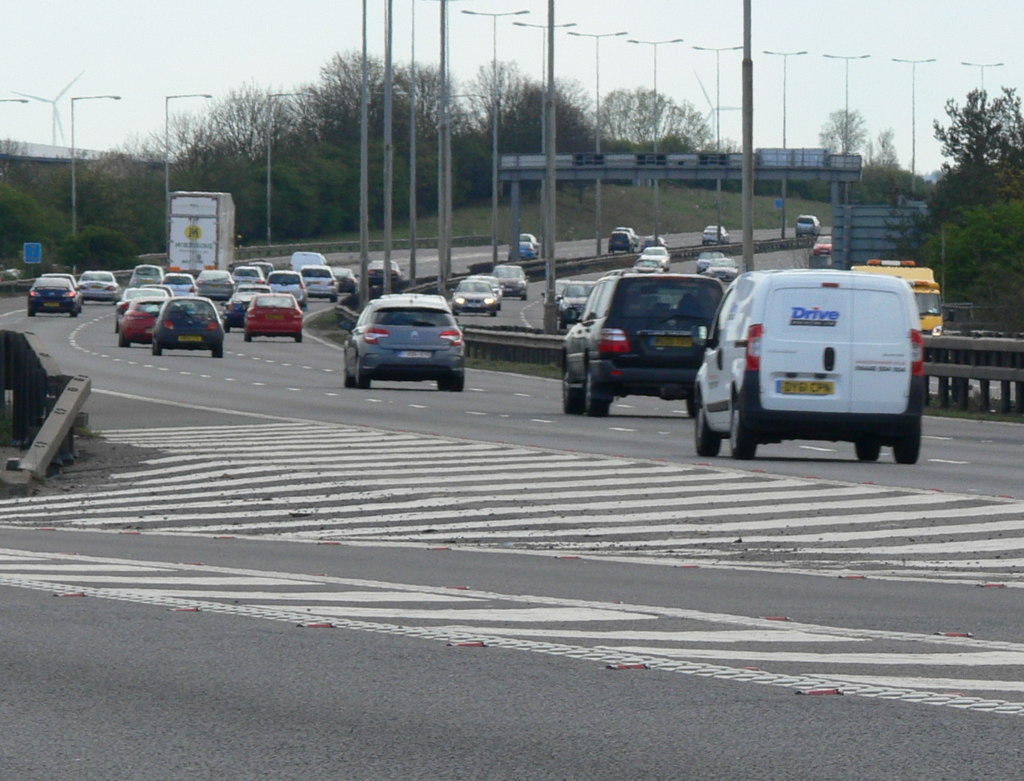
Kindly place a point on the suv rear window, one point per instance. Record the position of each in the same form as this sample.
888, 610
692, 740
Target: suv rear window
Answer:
659, 299
422, 318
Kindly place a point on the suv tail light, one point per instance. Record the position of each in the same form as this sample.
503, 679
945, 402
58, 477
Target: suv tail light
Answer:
453, 336
613, 340
754, 334
374, 335
916, 353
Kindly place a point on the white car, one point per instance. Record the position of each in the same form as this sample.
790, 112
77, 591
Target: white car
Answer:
714, 234
320, 282
659, 254
827, 355
289, 282
180, 283
99, 286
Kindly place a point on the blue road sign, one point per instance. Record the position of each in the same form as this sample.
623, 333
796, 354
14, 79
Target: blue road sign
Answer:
779, 203
33, 252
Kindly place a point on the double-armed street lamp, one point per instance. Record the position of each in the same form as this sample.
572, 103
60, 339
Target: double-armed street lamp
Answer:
494, 122
785, 62
598, 124
846, 92
655, 117
547, 242
913, 117
981, 67
74, 182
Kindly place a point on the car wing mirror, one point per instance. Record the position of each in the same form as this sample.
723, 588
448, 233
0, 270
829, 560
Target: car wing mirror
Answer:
700, 336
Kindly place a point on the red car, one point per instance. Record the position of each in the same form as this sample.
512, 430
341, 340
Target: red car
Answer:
273, 314
138, 320
822, 246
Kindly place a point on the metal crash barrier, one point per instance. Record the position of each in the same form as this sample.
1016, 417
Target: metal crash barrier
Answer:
40, 405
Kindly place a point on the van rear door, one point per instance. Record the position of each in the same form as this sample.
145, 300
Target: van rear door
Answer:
881, 352
806, 351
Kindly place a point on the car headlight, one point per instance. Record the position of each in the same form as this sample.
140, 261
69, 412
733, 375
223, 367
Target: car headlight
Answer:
489, 300
460, 300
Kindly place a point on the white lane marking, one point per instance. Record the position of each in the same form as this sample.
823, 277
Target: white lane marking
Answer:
295, 596
62, 567
496, 615
947, 461
936, 683
418, 406
540, 420
163, 580
524, 395
960, 659
474, 412
686, 636
620, 428
259, 384
818, 449
932, 436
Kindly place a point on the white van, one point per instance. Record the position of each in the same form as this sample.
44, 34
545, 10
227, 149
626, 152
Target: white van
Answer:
300, 259
807, 354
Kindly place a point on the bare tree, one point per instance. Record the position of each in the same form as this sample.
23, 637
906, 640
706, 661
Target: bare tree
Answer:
881, 153
639, 116
845, 132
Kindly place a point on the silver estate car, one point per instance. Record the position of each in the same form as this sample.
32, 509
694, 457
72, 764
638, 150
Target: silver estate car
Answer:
405, 337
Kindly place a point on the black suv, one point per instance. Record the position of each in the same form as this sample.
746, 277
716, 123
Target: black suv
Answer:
623, 241
638, 335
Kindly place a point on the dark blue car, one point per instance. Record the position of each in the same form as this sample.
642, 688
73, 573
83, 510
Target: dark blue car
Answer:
54, 294
236, 306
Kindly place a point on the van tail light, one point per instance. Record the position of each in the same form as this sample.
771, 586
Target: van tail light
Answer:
613, 340
916, 353
453, 336
374, 335
754, 335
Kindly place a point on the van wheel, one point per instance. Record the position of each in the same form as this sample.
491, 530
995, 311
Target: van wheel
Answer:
594, 407
573, 400
705, 441
868, 449
741, 438
907, 449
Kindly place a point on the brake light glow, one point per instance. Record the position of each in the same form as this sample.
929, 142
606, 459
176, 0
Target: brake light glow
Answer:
169, 325
374, 335
916, 353
754, 335
613, 340
453, 336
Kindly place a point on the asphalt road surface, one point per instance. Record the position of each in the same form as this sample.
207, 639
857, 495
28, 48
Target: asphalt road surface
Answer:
297, 580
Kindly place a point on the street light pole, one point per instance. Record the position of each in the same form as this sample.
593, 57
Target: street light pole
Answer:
74, 183
656, 119
271, 105
785, 62
364, 173
981, 67
389, 149
167, 155
598, 125
412, 143
718, 123
913, 117
846, 109
494, 123
549, 30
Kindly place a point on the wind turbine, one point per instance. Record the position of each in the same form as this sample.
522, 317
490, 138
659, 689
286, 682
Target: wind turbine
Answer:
57, 125
713, 110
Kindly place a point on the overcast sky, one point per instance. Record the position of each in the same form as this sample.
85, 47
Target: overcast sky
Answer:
145, 50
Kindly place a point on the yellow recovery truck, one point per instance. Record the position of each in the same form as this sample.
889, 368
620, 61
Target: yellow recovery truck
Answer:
922, 281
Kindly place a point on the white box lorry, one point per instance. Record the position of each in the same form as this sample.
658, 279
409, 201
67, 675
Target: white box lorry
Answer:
201, 231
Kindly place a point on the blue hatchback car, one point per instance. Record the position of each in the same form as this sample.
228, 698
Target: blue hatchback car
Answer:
54, 294
189, 323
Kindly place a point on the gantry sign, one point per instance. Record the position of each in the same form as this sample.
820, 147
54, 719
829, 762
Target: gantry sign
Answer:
777, 164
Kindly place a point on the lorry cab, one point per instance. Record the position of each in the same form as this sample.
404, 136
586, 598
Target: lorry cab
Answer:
927, 293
